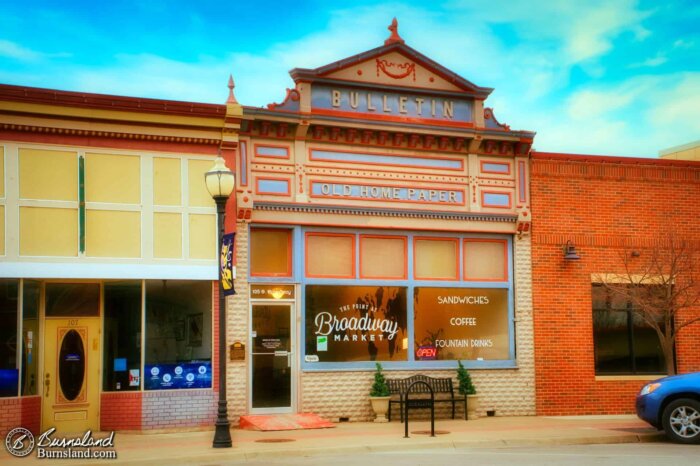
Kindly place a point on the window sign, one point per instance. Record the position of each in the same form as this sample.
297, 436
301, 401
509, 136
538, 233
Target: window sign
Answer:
461, 323
195, 374
271, 291
355, 323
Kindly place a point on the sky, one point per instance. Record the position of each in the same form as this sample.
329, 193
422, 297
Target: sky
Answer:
609, 77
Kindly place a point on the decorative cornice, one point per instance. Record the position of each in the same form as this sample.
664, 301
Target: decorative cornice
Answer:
592, 167
365, 211
106, 134
469, 88
109, 102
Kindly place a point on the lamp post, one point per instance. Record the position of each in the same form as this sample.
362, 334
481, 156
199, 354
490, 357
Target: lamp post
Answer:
220, 183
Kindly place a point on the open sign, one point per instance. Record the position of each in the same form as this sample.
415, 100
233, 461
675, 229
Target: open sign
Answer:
426, 352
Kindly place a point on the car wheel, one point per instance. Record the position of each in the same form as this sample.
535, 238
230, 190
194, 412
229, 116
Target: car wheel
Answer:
681, 421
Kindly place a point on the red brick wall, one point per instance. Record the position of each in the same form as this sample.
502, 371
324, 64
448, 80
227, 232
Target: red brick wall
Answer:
10, 415
20, 412
598, 203
120, 411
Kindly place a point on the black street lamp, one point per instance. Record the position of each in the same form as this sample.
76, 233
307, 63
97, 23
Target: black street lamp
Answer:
220, 183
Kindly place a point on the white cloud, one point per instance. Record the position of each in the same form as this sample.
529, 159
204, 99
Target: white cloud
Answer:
683, 44
589, 104
17, 52
653, 62
635, 118
676, 108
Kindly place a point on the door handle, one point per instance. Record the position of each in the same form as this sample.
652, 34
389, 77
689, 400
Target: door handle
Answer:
289, 359
47, 384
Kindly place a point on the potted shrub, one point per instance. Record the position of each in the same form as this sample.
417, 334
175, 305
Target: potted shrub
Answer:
466, 388
379, 395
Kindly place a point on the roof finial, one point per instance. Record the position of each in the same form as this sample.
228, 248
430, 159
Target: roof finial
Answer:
394, 37
231, 85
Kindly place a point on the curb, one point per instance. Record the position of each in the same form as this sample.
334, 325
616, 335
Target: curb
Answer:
232, 455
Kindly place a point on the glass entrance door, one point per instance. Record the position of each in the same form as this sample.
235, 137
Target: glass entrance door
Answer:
271, 355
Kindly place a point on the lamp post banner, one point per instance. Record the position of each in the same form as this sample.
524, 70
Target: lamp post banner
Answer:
226, 263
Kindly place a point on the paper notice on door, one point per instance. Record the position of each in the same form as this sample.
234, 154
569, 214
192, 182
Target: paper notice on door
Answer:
322, 343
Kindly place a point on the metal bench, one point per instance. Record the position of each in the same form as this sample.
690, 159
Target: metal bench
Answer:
442, 389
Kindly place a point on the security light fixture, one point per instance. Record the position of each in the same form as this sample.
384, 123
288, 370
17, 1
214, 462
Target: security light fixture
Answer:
570, 253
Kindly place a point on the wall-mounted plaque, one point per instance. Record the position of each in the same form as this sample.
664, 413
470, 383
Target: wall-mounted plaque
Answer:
237, 351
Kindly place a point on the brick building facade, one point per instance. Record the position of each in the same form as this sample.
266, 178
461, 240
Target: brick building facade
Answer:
604, 206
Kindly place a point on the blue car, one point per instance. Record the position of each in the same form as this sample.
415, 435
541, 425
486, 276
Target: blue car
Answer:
673, 404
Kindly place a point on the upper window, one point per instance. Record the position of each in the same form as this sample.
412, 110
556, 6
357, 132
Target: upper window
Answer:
271, 252
72, 299
330, 255
382, 257
624, 343
436, 258
485, 260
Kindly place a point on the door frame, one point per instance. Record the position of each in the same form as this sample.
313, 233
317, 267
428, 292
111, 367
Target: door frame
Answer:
42, 326
294, 366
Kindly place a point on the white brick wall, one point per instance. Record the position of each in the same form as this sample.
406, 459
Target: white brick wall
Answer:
237, 309
178, 408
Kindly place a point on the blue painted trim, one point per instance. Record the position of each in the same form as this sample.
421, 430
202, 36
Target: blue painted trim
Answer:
375, 192
495, 199
403, 161
272, 186
406, 365
373, 103
296, 262
496, 167
266, 151
244, 164
411, 284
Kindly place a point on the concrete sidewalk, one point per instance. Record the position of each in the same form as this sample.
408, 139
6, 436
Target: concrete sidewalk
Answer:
195, 447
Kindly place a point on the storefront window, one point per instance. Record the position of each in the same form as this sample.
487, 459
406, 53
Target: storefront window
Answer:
122, 336
270, 252
382, 257
436, 259
178, 334
9, 304
31, 295
624, 343
364, 319
356, 323
461, 323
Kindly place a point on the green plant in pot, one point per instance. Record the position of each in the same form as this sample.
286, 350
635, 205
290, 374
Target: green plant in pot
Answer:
379, 395
467, 388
